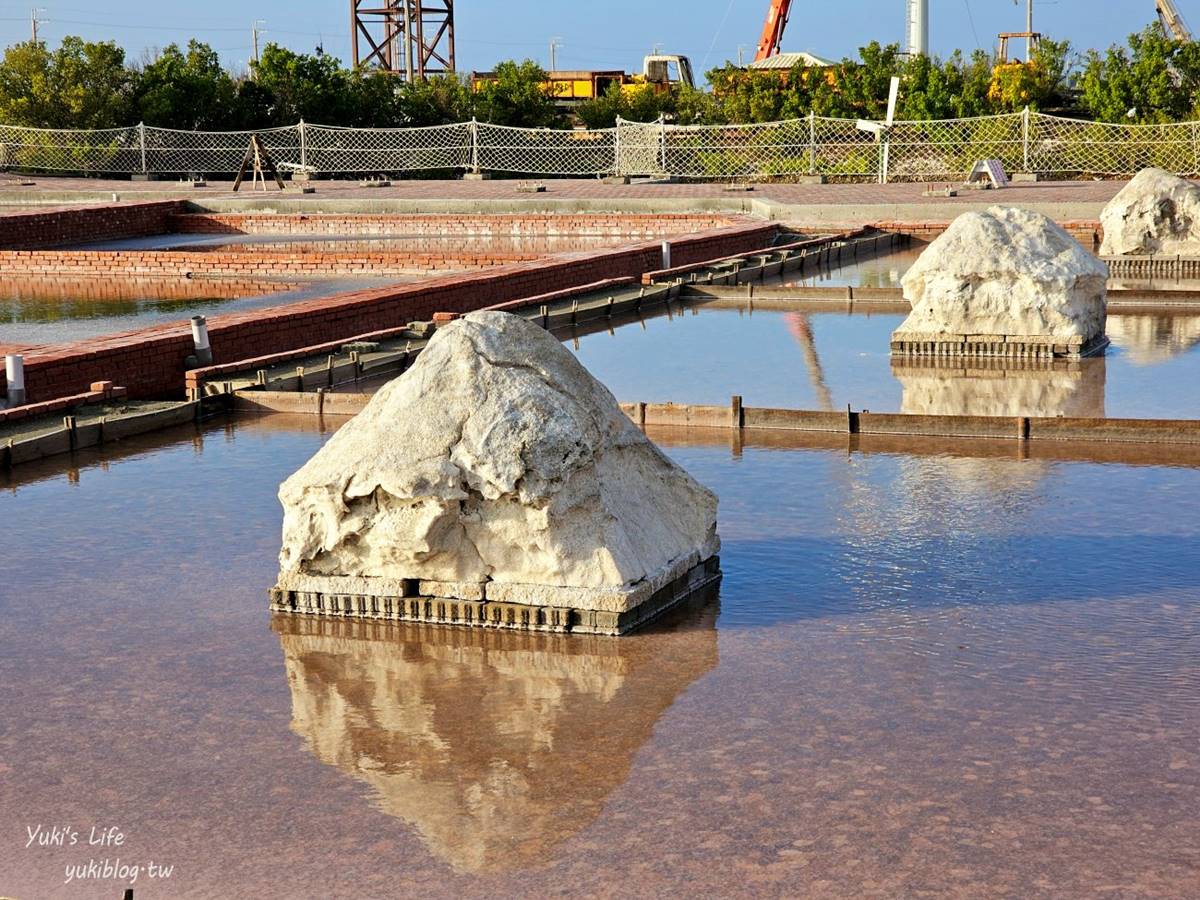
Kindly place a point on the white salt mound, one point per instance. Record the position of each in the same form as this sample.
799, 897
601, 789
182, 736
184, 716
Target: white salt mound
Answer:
1005, 272
496, 468
1156, 212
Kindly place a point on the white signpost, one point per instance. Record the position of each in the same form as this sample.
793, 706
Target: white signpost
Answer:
881, 130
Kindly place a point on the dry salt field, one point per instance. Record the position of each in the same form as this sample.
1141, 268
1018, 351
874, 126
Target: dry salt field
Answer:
947, 654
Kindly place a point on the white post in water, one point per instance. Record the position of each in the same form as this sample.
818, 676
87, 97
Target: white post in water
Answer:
666, 254
14, 374
200, 338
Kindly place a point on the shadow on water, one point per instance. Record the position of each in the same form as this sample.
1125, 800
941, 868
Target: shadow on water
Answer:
496, 747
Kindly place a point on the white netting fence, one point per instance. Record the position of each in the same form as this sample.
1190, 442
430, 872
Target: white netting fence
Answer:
908, 151
715, 151
328, 149
943, 148
115, 150
1058, 146
545, 151
214, 152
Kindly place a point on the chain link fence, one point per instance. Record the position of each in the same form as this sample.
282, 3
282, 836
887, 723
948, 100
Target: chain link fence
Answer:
812, 146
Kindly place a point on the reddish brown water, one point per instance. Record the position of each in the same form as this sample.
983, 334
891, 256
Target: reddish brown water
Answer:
926, 673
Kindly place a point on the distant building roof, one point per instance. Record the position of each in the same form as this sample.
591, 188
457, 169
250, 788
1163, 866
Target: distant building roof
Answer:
790, 60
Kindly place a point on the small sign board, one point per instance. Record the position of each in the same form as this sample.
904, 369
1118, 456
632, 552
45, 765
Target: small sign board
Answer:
989, 170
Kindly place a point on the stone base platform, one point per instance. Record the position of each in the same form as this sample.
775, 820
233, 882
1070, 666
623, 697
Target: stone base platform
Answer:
405, 601
1165, 265
1010, 346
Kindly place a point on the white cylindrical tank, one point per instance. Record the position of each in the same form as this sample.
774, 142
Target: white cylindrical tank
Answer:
918, 27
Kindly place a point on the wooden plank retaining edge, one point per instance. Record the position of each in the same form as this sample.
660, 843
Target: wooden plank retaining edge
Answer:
75, 436
1118, 298
735, 415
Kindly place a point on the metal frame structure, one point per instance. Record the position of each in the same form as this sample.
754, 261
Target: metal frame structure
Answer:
1032, 39
410, 38
1172, 20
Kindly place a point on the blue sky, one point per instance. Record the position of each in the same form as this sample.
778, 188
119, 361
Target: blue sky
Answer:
592, 33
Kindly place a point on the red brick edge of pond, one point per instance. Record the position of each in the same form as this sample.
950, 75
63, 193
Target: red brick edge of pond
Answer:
149, 362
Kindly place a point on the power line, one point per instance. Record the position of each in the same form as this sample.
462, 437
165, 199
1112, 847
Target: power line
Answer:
717, 34
971, 20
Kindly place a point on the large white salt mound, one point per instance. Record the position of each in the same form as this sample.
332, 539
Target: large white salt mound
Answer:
1005, 272
1156, 212
495, 468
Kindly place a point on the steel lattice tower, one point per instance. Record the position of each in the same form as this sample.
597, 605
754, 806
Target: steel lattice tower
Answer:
409, 38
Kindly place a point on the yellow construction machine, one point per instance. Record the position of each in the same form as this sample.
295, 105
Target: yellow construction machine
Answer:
570, 88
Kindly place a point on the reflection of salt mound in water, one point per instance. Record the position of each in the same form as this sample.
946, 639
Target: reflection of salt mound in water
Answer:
1011, 483
1149, 340
495, 746
1002, 388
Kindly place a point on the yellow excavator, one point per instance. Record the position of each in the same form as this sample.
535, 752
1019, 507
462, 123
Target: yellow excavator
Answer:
570, 88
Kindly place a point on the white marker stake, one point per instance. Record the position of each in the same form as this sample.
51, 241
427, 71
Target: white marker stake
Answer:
14, 374
200, 338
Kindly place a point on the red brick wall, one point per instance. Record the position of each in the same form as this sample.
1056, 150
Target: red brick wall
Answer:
102, 290
567, 224
67, 225
1088, 233
149, 362
242, 263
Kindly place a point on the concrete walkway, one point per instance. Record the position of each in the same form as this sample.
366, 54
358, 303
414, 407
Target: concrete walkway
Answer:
828, 204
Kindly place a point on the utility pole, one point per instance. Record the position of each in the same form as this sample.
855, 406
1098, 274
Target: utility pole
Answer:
34, 21
555, 43
741, 48
255, 29
410, 64
1028, 30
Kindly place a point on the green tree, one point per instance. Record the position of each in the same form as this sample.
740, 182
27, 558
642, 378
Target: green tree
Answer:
27, 94
310, 86
635, 102
516, 95
1036, 83
976, 83
189, 91
694, 106
254, 105
862, 86
82, 84
1154, 79
374, 101
439, 100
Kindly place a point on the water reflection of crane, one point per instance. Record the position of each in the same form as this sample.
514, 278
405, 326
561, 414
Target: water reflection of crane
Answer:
799, 326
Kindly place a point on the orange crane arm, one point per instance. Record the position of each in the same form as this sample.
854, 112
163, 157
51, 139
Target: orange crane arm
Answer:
772, 33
